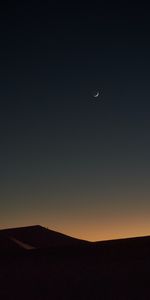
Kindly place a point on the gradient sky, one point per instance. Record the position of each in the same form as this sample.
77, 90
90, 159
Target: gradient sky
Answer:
66, 163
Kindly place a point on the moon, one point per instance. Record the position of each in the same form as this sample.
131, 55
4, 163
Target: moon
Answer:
96, 94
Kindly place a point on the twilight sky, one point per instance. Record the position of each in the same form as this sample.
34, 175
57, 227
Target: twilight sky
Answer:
66, 163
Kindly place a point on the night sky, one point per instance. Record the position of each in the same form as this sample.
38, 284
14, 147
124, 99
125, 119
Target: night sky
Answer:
69, 163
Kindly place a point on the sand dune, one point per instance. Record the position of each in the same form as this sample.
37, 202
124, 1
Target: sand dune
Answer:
65, 268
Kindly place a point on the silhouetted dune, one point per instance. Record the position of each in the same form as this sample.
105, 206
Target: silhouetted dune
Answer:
65, 268
37, 237
128, 247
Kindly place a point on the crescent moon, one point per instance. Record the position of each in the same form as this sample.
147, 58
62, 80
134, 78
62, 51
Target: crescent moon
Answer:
96, 95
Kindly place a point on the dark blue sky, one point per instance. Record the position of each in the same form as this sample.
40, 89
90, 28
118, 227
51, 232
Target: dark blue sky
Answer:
67, 163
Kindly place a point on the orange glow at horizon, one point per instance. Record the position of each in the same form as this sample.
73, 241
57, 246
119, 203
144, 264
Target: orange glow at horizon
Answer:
92, 229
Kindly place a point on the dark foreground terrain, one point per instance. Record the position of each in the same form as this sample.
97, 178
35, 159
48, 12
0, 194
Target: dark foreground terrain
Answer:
37, 263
